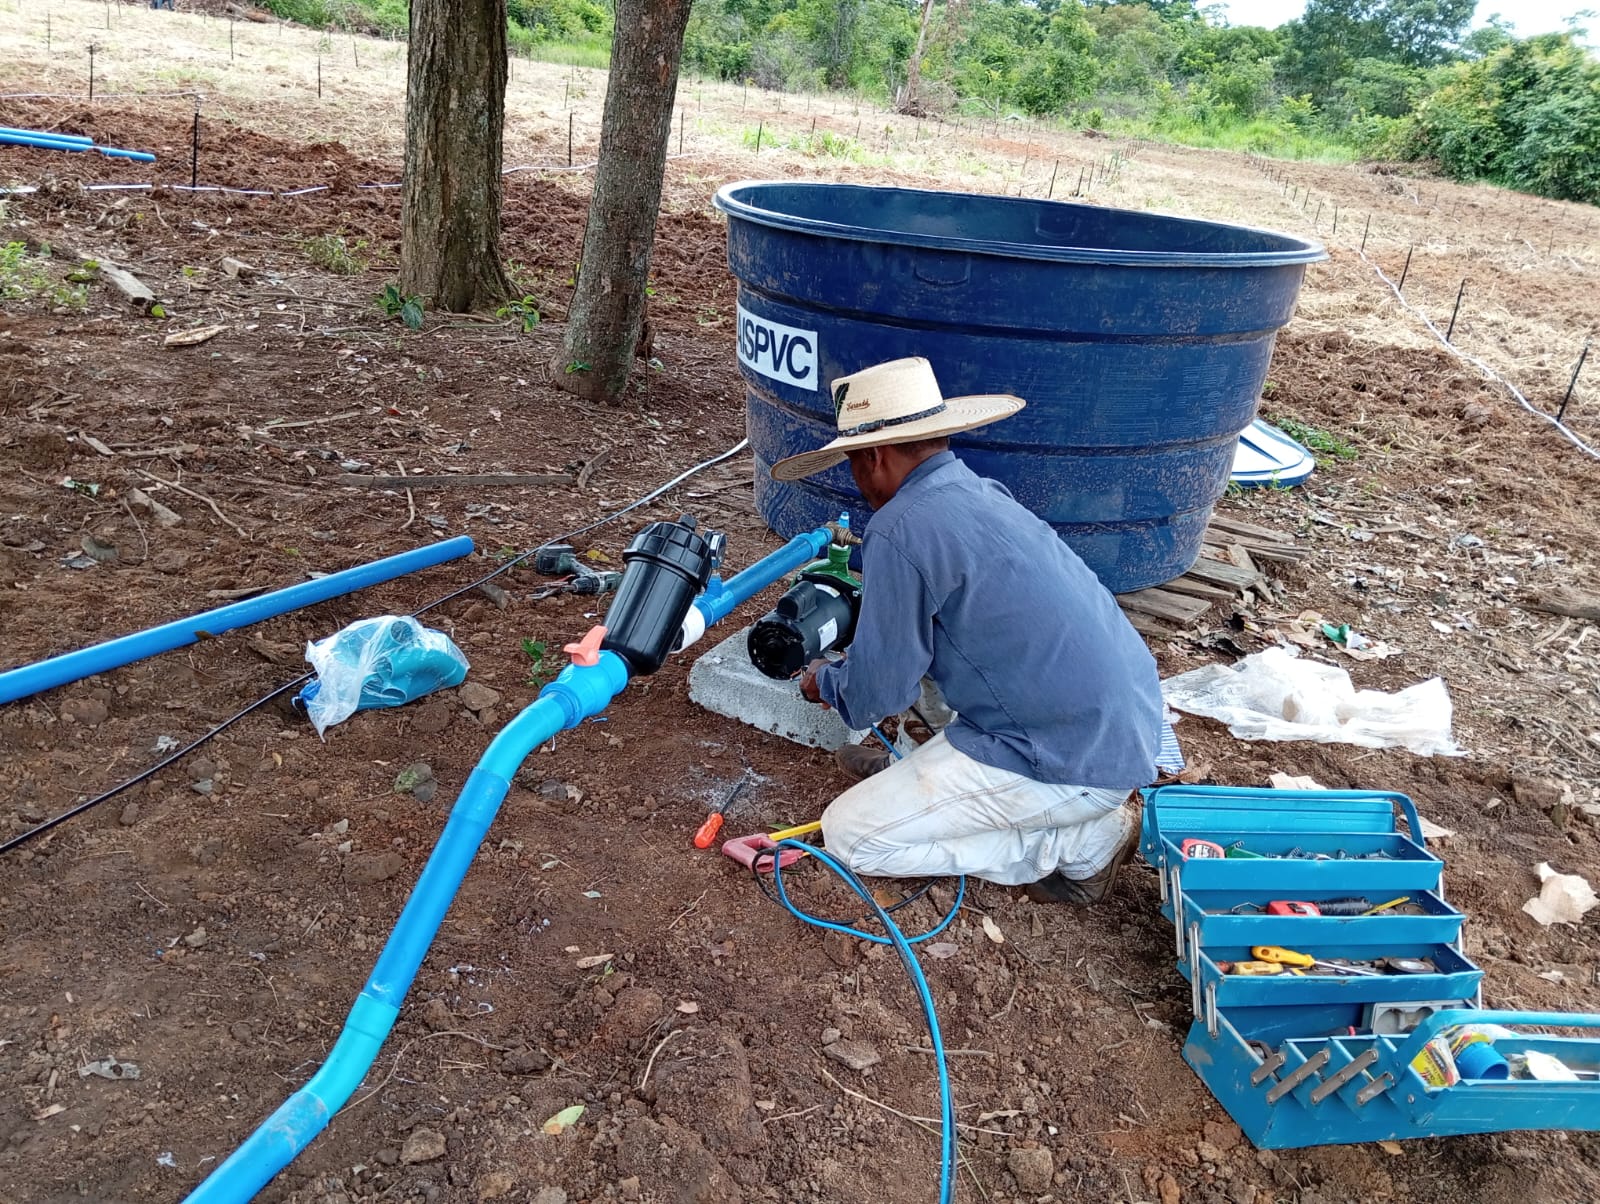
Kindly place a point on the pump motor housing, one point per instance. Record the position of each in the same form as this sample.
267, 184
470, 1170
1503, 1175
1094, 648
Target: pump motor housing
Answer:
816, 616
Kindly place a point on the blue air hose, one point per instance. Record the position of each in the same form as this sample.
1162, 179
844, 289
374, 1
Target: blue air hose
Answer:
908, 958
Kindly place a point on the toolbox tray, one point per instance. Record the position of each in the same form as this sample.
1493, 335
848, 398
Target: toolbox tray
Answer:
1344, 1089
1208, 914
1457, 978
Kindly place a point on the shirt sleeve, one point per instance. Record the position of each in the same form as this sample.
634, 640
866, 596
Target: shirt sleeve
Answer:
893, 645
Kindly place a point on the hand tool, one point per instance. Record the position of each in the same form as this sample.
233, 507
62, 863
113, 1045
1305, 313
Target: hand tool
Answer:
1293, 957
1292, 907
1238, 852
1255, 969
795, 833
1382, 907
754, 852
708, 830
1202, 849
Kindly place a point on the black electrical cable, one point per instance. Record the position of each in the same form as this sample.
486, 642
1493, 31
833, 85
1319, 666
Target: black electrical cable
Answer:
146, 774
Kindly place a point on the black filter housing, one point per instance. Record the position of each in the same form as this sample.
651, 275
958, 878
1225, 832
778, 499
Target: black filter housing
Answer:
817, 615
667, 565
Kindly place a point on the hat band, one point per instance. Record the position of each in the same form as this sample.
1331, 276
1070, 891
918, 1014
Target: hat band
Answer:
866, 428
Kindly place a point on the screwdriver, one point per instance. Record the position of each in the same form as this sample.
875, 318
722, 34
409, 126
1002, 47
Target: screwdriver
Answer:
1293, 957
708, 830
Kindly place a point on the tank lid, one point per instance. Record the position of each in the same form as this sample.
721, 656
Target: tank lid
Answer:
1012, 227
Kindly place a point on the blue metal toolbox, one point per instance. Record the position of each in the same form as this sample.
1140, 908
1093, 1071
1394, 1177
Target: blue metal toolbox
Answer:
1323, 959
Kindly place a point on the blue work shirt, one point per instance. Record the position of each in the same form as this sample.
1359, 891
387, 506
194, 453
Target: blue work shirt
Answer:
965, 585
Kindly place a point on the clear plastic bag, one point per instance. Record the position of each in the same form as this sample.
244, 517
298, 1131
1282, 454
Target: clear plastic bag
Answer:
381, 662
1274, 695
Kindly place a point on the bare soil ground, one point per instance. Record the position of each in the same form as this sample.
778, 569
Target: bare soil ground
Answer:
213, 925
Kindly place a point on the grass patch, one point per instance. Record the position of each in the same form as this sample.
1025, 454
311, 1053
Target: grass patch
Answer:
332, 253
25, 277
1327, 445
594, 52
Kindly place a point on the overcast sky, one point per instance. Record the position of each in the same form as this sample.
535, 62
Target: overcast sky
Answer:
1527, 17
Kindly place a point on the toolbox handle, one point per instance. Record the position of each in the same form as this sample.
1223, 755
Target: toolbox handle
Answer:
1431, 1026
1413, 820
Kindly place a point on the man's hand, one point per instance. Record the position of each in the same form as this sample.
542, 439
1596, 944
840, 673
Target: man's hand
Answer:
808, 684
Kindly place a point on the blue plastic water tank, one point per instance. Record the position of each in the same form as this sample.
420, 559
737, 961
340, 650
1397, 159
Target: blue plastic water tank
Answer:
1139, 342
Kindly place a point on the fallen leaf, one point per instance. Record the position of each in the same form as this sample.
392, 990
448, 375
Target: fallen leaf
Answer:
1391, 1147
563, 1119
52, 1110
992, 931
1000, 1114
688, 1007
572, 948
941, 950
591, 894
598, 959
191, 338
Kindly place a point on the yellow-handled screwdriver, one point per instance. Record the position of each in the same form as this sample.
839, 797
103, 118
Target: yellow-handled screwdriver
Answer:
796, 832
1293, 957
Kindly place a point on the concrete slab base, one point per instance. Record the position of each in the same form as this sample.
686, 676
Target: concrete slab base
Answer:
724, 681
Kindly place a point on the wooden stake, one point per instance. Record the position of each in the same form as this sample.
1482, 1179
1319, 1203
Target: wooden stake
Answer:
1367, 230
569, 139
1573, 383
1051, 194
91, 70
1456, 310
319, 76
1403, 271
761, 127
194, 153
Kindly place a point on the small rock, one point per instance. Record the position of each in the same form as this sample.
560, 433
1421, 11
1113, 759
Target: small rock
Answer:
203, 786
1224, 1136
431, 718
31, 813
1242, 1191
1543, 793
387, 1157
1209, 1152
1475, 414
629, 1187
496, 1184
412, 776
236, 268
197, 938
550, 1195
436, 1015
477, 697
830, 1035
635, 1012
525, 1061
1032, 1169
856, 1055
1168, 1190
363, 869
90, 712
422, 1145
203, 767
495, 594
553, 791
130, 815
241, 1032
423, 792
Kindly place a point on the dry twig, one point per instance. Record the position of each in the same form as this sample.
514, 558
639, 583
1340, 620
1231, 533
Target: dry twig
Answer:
199, 497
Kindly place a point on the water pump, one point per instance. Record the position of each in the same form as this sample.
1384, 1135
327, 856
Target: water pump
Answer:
817, 614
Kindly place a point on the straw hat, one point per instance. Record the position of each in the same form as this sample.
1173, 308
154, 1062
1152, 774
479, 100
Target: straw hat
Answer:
896, 402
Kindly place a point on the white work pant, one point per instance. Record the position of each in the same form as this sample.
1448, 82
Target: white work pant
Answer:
937, 812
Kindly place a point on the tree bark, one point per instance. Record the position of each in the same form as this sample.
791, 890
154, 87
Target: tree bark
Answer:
606, 318
455, 118
910, 101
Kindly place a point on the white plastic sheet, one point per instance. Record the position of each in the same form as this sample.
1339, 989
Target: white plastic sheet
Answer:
1275, 695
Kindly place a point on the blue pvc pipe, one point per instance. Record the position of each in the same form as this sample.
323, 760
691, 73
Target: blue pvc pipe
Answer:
577, 692
50, 134
98, 658
720, 597
66, 143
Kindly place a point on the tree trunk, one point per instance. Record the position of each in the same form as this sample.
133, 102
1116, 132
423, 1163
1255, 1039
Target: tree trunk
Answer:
455, 116
909, 100
606, 317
